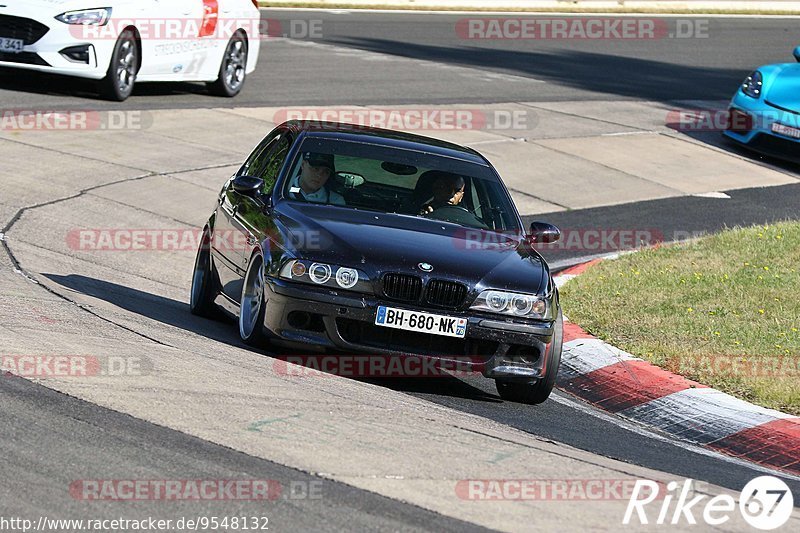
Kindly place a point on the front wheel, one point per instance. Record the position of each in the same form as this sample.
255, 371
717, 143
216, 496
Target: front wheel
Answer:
232, 70
536, 393
121, 75
203, 282
253, 307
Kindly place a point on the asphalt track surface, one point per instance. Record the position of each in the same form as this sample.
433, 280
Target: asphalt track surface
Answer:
416, 58
89, 442
293, 73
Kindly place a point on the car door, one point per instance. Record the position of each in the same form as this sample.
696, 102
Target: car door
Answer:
225, 247
230, 236
254, 216
169, 32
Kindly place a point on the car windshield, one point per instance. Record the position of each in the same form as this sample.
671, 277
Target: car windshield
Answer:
394, 180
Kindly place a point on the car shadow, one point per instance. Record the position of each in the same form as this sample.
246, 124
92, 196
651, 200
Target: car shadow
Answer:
633, 77
55, 85
706, 124
176, 314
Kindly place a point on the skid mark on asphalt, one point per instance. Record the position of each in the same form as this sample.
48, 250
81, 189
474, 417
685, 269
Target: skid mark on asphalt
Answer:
256, 426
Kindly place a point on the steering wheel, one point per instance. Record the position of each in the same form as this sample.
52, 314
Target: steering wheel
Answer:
457, 214
451, 207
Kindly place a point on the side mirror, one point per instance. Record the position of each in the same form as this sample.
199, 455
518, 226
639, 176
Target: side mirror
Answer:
543, 233
248, 185
797, 54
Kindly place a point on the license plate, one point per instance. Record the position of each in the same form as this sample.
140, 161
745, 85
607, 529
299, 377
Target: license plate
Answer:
391, 317
11, 45
786, 130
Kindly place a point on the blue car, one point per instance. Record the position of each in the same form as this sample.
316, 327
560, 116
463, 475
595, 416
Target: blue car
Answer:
764, 114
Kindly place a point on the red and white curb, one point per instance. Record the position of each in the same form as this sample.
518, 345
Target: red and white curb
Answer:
627, 386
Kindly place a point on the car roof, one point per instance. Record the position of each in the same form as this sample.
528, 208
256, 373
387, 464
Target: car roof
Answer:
378, 136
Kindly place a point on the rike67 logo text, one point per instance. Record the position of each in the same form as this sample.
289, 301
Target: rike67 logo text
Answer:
766, 503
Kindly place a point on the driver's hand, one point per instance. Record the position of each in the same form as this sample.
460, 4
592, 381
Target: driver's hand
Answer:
427, 209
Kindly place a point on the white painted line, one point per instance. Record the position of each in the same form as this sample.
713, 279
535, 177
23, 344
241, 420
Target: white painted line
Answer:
563, 279
719, 195
701, 415
623, 133
582, 356
634, 427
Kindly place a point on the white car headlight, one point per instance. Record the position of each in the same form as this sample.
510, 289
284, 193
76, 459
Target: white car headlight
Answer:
332, 276
86, 17
513, 304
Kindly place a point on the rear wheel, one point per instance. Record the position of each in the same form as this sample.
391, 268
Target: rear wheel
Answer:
232, 70
121, 76
536, 393
253, 307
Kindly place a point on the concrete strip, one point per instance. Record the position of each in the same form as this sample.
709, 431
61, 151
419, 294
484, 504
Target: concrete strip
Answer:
564, 177
681, 166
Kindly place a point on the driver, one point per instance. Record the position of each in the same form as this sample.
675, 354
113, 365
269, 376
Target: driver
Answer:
447, 190
311, 184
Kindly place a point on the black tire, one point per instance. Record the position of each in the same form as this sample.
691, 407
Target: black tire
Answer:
203, 293
253, 305
121, 75
232, 69
536, 393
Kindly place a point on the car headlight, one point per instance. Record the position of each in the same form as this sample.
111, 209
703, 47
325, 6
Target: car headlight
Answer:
513, 304
86, 17
332, 276
752, 85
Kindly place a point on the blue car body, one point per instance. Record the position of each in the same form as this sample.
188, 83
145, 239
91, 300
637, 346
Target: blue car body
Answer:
764, 114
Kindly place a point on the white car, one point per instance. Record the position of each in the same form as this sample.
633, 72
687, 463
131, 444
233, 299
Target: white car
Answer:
127, 41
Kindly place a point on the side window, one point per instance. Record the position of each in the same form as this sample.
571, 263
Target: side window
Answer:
273, 161
249, 167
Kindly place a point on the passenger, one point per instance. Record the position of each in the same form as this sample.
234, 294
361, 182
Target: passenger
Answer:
312, 184
447, 190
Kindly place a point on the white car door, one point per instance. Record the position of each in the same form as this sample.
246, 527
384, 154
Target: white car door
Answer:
171, 38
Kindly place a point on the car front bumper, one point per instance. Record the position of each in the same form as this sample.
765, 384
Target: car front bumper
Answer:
49, 53
345, 322
759, 136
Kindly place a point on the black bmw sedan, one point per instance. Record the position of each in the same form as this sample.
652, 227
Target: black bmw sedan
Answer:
353, 240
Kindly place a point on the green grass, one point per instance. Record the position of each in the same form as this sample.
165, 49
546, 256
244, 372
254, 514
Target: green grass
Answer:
723, 310
565, 9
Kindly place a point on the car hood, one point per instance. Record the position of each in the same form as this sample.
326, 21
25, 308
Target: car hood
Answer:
785, 88
377, 243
